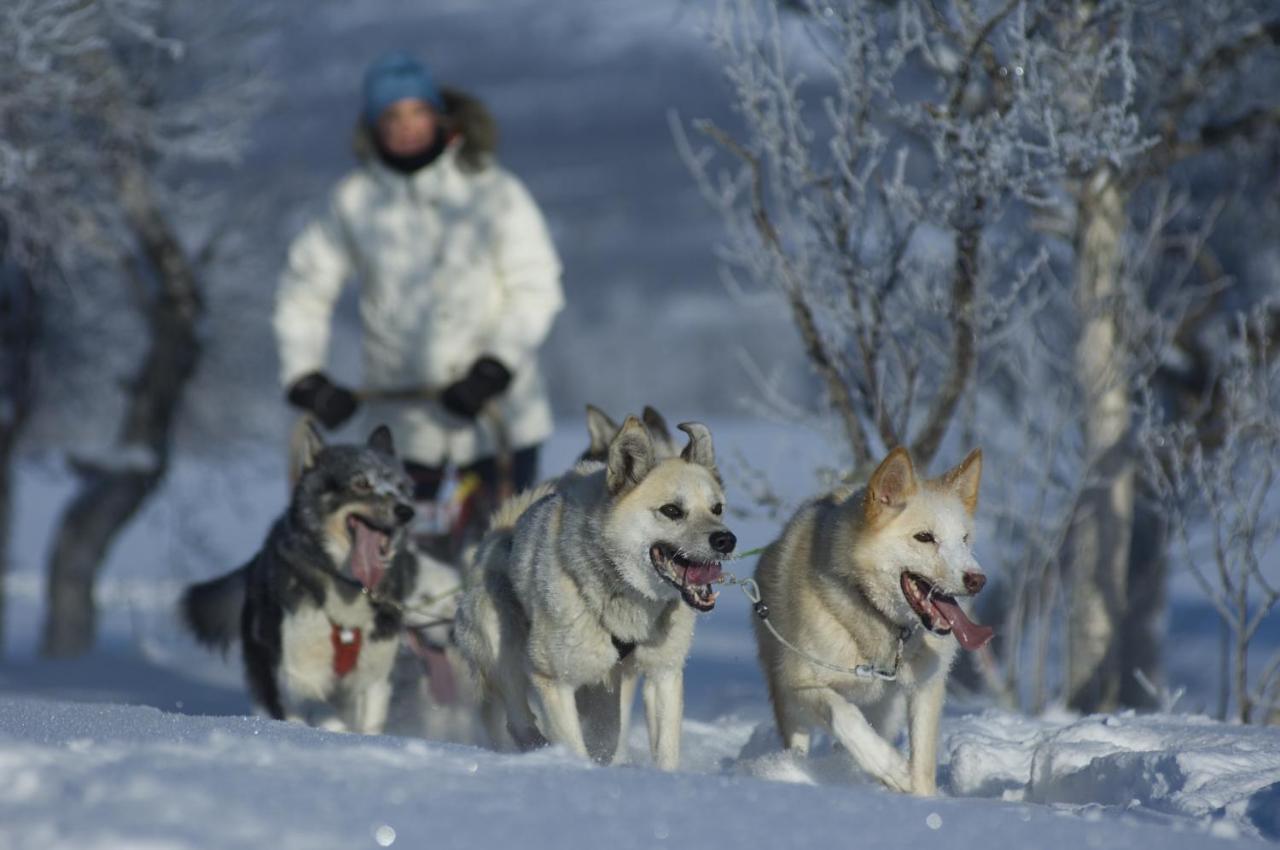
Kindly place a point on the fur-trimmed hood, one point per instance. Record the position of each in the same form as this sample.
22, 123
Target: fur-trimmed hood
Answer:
465, 116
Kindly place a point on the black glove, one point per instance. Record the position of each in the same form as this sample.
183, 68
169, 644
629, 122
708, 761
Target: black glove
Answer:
330, 403
486, 379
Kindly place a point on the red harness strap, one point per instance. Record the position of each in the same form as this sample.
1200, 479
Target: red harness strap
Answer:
346, 649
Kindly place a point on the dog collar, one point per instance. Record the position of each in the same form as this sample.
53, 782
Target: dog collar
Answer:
346, 648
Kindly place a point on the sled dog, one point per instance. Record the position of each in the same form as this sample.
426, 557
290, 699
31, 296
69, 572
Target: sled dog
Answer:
318, 610
589, 582
597, 704
870, 579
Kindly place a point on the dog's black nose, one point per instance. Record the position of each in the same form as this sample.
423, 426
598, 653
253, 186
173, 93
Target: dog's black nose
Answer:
404, 513
974, 581
723, 541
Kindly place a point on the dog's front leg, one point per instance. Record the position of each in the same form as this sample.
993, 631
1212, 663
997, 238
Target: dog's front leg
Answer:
494, 719
627, 682
664, 712
371, 708
561, 712
874, 754
925, 708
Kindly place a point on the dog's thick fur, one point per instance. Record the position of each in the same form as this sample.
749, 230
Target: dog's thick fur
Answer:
576, 592
304, 589
850, 572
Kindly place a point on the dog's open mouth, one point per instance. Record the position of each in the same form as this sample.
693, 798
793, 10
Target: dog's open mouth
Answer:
941, 614
692, 578
370, 550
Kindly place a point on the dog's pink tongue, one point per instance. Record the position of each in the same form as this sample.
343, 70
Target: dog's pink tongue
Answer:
367, 563
970, 635
702, 573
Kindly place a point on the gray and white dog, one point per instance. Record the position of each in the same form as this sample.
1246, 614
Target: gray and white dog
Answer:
318, 610
591, 582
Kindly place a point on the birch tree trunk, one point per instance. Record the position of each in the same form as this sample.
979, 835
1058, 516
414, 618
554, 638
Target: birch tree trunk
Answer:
1098, 552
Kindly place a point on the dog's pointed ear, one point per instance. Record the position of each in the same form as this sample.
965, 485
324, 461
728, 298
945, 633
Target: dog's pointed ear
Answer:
600, 431
893, 482
964, 479
657, 426
699, 449
381, 441
630, 457
305, 445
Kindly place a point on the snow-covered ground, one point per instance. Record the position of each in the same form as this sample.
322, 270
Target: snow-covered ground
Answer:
148, 743
112, 776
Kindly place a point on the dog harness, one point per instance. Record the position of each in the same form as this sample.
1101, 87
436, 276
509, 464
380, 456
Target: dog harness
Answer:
863, 671
346, 649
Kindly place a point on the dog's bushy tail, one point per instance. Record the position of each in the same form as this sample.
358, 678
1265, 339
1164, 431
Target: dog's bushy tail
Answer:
212, 609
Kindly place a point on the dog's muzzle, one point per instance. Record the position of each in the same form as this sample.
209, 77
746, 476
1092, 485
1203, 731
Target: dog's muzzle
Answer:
691, 577
941, 614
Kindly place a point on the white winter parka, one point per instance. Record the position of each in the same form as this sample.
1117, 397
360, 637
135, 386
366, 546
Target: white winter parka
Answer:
452, 264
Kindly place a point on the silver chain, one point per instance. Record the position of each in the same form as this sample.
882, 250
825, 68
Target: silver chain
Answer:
863, 671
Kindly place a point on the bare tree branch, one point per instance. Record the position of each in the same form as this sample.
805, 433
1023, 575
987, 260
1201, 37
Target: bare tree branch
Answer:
837, 390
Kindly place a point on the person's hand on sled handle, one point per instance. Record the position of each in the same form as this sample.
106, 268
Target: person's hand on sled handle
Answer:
486, 379
330, 403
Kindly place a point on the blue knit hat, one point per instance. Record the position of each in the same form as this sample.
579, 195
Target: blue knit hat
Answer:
397, 76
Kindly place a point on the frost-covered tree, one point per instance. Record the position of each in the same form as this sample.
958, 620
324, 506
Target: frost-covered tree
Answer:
1192, 96
871, 210
1216, 476
952, 193
106, 107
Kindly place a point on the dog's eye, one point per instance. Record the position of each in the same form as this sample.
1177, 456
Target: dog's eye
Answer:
361, 484
672, 511
925, 537
966, 539
717, 509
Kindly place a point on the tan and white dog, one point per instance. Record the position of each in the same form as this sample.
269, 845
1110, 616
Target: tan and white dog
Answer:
869, 579
592, 581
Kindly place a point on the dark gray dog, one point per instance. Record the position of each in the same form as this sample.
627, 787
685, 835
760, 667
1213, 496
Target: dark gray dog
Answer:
318, 609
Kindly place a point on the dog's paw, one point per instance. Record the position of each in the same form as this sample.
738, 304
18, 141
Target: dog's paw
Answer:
898, 781
894, 772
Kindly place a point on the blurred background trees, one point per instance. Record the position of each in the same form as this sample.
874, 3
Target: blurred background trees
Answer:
108, 108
